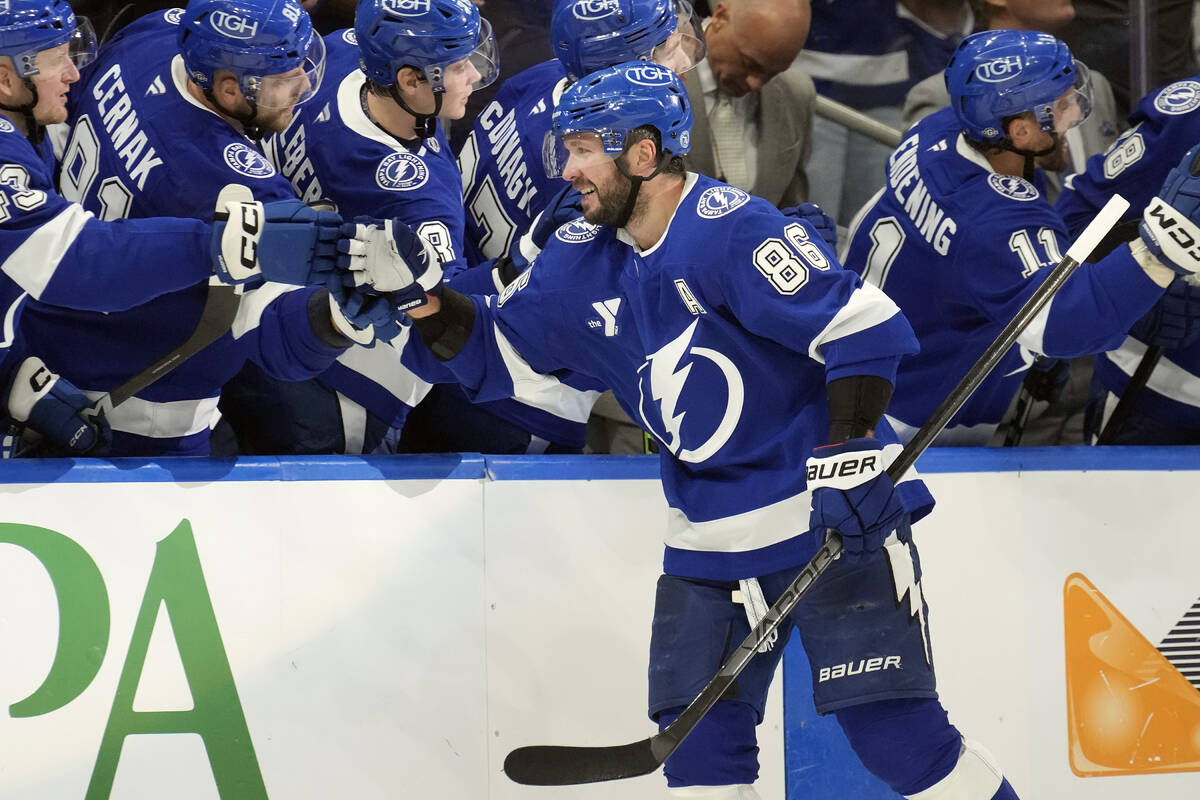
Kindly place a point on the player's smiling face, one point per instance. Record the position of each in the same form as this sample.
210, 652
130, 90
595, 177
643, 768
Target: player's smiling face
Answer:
594, 174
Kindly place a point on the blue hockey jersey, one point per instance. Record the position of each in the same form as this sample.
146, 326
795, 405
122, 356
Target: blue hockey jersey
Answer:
960, 248
504, 182
141, 145
333, 149
720, 339
1164, 126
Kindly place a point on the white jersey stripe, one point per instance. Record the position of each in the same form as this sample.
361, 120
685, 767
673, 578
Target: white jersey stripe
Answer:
1168, 378
32, 265
867, 307
169, 420
544, 392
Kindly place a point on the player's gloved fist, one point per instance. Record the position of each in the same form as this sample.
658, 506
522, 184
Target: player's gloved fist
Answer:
816, 217
1173, 322
562, 208
50, 405
1170, 226
388, 257
284, 241
852, 493
365, 317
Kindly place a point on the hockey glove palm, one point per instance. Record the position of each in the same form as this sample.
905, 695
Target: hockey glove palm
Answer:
562, 208
50, 405
388, 257
365, 318
1171, 222
812, 213
1174, 321
284, 241
852, 494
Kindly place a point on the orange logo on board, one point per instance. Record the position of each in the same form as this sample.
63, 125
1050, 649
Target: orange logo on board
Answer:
1130, 708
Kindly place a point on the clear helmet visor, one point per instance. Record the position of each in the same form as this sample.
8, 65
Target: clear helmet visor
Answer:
77, 52
290, 88
1074, 105
481, 67
578, 151
685, 47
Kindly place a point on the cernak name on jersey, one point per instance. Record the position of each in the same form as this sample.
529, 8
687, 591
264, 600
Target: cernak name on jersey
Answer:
292, 155
507, 153
120, 122
927, 216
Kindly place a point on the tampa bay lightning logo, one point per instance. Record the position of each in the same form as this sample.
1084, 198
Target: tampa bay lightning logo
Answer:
1013, 186
717, 201
1178, 98
576, 231
6, 126
350, 37
173, 15
406, 8
246, 160
401, 172
662, 378
595, 9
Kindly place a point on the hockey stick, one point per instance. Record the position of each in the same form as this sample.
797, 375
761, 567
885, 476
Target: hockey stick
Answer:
1137, 382
550, 765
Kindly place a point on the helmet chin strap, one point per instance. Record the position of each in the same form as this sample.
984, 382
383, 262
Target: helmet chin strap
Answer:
35, 132
249, 122
1031, 155
425, 125
636, 182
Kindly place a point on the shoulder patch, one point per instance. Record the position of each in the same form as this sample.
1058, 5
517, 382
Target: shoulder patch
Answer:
244, 159
433, 145
401, 172
1013, 187
717, 201
6, 126
173, 15
349, 37
577, 231
1178, 98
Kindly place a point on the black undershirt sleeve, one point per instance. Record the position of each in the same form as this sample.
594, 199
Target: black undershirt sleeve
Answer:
446, 332
855, 405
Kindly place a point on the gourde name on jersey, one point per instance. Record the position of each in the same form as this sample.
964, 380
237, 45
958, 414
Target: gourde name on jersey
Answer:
693, 336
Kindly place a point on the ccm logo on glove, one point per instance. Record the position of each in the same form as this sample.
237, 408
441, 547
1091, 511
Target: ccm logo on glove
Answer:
1163, 221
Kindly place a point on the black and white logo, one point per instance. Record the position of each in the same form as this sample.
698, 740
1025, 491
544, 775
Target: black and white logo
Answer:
350, 37
1013, 186
1178, 98
406, 8
999, 69
576, 231
246, 160
595, 9
401, 172
685, 140
649, 74
6, 126
235, 26
717, 201
173, 15
433, 145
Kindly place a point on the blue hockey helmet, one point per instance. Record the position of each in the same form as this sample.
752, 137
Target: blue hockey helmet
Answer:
588, 35
268, 45
429, 35
613, 102
998, 74
28, 27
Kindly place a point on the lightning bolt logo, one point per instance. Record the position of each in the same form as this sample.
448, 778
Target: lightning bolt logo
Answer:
904, 579
666, 383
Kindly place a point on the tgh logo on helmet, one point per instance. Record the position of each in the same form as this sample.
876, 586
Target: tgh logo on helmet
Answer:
406, 8
649, 74
233, 25
595, 9
1000, 69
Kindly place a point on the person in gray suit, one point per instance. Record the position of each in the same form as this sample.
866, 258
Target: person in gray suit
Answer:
753, 108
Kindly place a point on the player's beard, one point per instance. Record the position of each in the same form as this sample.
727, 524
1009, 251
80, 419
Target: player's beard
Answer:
1057, 161
610, 198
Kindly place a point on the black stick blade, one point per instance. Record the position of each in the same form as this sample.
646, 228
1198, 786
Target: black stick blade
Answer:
550, 765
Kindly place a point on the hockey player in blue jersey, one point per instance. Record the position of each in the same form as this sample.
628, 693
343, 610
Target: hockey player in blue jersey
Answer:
159, 128
690, 299
505, 187
960, 233
58, 253
1164, 126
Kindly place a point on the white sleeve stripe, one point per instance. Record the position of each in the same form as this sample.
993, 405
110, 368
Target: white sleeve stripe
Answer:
1034, 335
254, 303
866, 308
544, 392
32, 265
381, 364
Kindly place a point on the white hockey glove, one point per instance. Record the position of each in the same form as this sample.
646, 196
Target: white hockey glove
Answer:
1169, 226
388, 257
